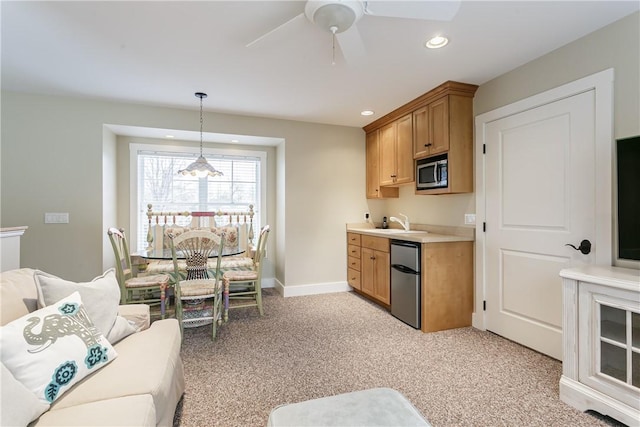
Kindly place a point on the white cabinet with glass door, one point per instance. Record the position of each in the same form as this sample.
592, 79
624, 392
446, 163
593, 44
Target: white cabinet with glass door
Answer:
601, 363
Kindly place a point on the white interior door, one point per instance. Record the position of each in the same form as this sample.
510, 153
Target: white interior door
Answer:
540, 196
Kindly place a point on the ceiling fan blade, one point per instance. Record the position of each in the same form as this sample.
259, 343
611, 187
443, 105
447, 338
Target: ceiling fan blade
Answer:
293, 20
427, 10
351, 45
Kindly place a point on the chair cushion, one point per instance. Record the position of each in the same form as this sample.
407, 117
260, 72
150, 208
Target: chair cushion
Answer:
53, 348
240, 275
146, 281
201, 288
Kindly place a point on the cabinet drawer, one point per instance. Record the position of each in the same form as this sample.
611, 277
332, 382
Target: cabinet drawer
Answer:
377, 243
353, 239
353, 251
354, 263
353, 277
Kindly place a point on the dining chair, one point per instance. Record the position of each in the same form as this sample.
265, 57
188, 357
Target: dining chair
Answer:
244, 286
199, 295
136, 289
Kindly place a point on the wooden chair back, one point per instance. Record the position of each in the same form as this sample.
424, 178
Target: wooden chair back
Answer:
120, 246
197, 246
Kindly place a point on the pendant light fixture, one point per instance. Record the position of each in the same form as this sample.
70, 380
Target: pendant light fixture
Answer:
201, 167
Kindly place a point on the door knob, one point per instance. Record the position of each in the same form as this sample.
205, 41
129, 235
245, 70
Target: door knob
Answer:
585, 246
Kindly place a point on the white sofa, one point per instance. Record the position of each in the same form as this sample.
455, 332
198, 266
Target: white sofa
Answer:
140, 387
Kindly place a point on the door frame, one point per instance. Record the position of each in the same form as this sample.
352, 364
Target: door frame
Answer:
602, 85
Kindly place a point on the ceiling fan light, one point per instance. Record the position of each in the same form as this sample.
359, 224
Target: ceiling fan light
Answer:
340, 15
437, 42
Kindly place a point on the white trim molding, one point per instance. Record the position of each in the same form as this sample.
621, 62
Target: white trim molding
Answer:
311, 289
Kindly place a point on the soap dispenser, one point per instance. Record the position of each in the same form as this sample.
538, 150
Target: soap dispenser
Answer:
384, 222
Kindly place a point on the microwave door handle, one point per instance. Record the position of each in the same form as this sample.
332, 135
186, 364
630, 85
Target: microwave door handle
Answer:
435, 173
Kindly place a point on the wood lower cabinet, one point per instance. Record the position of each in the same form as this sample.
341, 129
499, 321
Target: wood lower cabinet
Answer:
374, 190
447, 285
376, 266
353, 260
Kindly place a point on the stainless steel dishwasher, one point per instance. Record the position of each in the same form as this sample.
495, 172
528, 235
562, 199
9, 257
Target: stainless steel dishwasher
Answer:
405, 281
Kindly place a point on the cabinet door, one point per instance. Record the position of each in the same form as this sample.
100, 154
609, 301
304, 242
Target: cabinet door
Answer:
387, 143
382, 281
405, 170
609, 341
421, 133
367, 272
373, 165
439, 126
431, 129
374, 191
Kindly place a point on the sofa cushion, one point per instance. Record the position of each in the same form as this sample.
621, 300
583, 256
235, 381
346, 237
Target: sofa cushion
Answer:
148, 363
18, 405
135, 410
18, 294
51, 349
101, 298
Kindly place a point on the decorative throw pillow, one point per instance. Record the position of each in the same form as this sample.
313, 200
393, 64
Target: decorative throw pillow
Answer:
51, 349
101, 298
18, 406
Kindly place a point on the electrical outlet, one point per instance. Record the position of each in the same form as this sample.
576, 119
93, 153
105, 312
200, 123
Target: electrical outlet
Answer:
469, 218
366, 216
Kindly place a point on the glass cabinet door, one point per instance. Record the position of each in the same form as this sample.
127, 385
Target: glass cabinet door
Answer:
619, 343
609, 342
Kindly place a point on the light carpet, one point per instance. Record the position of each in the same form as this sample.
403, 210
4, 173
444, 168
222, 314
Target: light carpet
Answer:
314, 346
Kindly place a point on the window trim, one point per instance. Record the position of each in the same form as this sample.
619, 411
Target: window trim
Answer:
134, 148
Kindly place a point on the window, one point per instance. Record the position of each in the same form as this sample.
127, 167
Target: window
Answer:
159, 184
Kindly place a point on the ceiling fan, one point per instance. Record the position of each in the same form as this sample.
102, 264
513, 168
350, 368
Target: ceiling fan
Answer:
339, 16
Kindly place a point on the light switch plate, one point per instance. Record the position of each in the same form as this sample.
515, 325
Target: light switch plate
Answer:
56, 218
469, 218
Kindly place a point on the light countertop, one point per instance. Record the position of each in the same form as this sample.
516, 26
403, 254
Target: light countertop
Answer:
420, 236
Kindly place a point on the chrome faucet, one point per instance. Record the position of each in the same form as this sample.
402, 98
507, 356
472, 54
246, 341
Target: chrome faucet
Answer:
404, 224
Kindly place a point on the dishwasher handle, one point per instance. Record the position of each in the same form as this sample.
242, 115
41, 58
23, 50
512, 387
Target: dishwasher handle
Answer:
404, 269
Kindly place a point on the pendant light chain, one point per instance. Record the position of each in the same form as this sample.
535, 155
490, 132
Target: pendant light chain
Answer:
201, 96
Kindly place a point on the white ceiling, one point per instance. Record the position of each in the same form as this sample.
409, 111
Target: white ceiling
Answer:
160, 53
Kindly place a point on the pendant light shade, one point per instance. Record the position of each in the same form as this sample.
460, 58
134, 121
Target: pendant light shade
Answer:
201, 167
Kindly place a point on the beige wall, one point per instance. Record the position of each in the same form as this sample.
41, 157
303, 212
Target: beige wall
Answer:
56, 156
615, 46
53, 160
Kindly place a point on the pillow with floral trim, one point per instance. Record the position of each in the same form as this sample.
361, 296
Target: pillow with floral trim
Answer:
51, 349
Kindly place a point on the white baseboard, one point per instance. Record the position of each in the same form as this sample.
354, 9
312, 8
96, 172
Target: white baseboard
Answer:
311, 289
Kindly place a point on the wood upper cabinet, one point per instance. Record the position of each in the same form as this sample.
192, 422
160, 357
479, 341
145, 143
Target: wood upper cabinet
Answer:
374, 190
431, 129
396, 159
436, 123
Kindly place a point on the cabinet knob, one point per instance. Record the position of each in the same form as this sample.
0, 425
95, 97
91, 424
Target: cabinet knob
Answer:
428, 145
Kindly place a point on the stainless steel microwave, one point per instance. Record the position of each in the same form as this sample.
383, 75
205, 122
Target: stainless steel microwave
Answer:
431, 172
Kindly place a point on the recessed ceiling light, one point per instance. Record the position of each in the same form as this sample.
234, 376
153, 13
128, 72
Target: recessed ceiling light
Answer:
169, 136
366, 113
437, 42
234, 140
